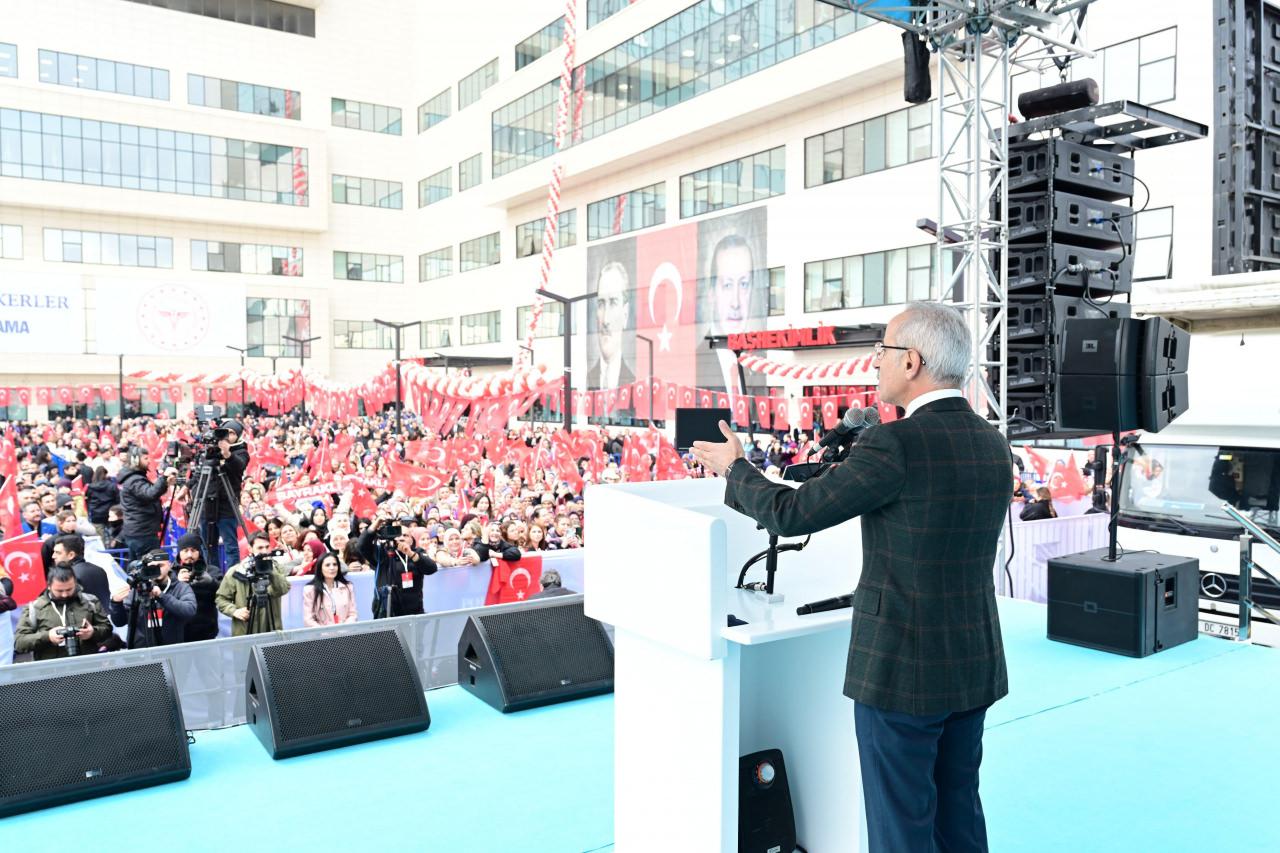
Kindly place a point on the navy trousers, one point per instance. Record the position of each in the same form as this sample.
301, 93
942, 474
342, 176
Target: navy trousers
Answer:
224, 531
920, 780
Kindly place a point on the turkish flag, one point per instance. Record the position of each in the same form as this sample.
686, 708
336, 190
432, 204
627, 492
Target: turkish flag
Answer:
666, 299
107, 392
412, 480
200, 394
175, 393
659, 399
624, 397
741, 411
830, 412
4, 396
1066, 481
24, 396
722, 401
86, 393
610, 400
1039, 464
705, 398
762, 412
131, 392
42, 395
687, 397
673, 398
806, 413
515, 581
66, 394
641, 398
362, 503
781, 417
155, 393
219, 395
10, 509
21, 560
8, 458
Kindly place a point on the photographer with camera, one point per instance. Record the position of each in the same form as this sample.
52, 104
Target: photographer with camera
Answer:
251, 590
154, 605
399, 566
204, 582
218, 522
63, 622
143, 511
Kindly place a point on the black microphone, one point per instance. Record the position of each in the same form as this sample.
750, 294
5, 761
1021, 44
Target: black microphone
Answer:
854, 420
837, 603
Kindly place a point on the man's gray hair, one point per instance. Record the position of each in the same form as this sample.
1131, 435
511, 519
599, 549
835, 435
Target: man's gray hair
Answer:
941, 336
550, 578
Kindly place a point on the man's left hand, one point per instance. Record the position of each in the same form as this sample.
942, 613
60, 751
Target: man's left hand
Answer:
717, 457
225, 447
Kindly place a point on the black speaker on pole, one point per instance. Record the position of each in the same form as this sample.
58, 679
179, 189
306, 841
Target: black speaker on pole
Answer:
306, 695
524, 657
89, 734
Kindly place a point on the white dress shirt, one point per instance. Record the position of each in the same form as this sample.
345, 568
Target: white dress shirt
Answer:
932, 397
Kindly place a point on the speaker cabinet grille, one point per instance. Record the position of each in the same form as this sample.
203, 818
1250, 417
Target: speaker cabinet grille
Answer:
537, 650
335, 684
92, 733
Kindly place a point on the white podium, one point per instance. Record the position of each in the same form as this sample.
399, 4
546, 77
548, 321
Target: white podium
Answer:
692, 695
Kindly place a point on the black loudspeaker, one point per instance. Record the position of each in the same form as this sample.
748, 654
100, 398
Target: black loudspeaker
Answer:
1096, 346
1165, 347
766, 821
525, 657
1138, 605
1164, 397
306, 695
93, 733
1059, 98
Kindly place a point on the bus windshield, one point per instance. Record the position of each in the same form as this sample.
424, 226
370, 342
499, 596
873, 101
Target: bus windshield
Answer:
1186, 485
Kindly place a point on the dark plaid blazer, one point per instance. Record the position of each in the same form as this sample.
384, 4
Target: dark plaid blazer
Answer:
932, 491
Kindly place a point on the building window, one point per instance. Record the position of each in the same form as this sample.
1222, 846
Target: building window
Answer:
598, 10
434, 188
483, 328
99, 153
740, 181
1153, 244
268, 14
8, 59
243, 97
359, 115
470, 172
883, 142
437, 333
434, 111
550, 326
362, 334
11, 242
1142, 69
540, 43
364, 266
118, 250
480, 252
629, 211
471, 87
777, 291
703, 48
246, 258
529, 235
103, 75
878, 278
437, 264
269, 320
367, 192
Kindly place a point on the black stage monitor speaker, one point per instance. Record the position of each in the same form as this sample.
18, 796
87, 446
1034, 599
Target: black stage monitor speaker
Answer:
1138, 605
524, 657
306, 695
766, 821
92, 733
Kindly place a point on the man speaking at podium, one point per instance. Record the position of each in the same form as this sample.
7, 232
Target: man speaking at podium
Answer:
925, 657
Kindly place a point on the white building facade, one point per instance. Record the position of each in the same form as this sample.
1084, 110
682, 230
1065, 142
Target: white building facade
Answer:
301, 169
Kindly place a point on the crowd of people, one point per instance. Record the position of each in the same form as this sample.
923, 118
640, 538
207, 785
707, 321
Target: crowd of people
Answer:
290, 496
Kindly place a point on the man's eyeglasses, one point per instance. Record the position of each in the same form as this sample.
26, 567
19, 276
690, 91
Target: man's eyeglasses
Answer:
881, 347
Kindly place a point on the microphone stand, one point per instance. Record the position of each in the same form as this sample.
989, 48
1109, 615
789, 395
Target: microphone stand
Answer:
770, 557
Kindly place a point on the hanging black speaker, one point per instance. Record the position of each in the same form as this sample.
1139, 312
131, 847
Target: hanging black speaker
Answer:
306, 695
518, 658
916, 84
88, 734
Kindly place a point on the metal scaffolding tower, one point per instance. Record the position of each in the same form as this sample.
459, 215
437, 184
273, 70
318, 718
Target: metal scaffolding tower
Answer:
978, 43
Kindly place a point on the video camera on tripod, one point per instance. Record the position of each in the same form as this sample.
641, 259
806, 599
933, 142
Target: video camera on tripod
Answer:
144, 573
203, 446
258, 568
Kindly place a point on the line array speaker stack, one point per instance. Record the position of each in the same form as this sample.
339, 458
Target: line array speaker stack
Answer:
89, 734
1070, 257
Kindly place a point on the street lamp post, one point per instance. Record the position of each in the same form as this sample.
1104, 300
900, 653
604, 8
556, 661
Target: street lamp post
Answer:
649, 392
567, 303
302, 361
398, 328
530, 351
242, 351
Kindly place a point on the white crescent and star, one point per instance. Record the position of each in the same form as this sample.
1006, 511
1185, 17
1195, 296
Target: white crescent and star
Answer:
665, 273
528, 580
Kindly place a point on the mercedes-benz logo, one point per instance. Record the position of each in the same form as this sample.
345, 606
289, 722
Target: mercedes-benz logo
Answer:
1213, 585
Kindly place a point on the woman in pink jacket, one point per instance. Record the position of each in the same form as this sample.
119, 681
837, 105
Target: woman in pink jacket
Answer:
329, 599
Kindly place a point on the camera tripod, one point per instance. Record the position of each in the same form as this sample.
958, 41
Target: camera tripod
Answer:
207, 477
144, 614
260, 602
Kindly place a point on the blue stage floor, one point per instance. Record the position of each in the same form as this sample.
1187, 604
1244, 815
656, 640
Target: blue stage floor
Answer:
1089, 752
